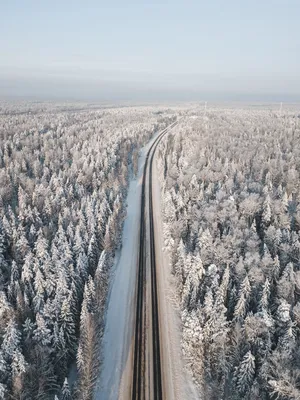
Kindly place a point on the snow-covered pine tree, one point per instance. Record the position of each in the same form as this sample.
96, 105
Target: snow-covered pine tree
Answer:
66, 391
244, 373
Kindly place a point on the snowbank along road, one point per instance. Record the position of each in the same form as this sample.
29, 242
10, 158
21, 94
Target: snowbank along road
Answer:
147, 382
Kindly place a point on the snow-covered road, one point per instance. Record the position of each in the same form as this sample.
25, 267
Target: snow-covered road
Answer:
115, 379
118, 334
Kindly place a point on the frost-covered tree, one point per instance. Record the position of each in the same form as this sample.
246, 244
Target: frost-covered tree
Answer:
245, 373
65, 391
243, 299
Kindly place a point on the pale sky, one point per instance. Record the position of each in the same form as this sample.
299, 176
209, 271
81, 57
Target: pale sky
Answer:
138, 49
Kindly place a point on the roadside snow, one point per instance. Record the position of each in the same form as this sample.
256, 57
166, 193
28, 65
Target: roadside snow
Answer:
118, 332
178, 382
115, 377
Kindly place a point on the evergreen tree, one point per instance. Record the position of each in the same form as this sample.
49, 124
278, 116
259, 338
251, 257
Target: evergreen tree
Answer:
65, 391
266, 211
180, 260
18, 364
42, 334
244, 374
93, 254
286, 284
67, 324
3, 391
265, 296
243, 299
11, 339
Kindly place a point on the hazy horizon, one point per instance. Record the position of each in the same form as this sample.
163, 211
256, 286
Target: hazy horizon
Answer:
168, 51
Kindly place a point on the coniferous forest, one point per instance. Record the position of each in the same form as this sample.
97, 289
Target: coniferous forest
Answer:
63, 182
231, 196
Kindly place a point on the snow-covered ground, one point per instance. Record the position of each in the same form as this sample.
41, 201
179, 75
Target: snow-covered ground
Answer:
118, 334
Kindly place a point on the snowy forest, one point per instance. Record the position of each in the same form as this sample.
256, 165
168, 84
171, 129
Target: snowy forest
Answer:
230, 191
64, 174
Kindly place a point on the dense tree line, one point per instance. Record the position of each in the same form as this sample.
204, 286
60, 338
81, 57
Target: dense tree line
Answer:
63, 182
231, 194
